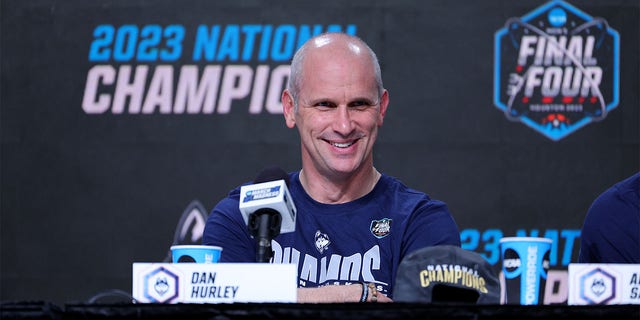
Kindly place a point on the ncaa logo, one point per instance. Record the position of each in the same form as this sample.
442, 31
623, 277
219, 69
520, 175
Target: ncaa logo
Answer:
556, 69
511, 263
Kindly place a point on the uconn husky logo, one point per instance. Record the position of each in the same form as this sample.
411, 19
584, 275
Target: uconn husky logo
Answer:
597, 286
322, 241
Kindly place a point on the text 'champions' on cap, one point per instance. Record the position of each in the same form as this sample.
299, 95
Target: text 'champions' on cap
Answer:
446, 274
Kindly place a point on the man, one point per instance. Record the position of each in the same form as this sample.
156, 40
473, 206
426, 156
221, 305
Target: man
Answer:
354, 225
611, 230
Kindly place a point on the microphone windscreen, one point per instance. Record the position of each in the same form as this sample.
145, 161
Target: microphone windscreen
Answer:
269, 191
272, 174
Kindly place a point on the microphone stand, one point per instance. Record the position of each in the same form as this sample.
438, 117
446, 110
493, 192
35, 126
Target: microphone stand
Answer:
264, 225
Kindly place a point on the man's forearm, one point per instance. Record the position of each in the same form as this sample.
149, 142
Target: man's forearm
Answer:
338, 294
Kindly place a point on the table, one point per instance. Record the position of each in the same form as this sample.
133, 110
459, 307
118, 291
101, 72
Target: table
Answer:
400, 311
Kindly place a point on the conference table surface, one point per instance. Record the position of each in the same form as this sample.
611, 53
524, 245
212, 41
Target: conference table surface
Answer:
404, 311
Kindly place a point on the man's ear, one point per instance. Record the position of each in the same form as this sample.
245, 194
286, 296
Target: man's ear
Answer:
384, 103
288, 107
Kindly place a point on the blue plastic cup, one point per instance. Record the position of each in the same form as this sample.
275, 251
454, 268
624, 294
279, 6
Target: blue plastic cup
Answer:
525, 262
195, 253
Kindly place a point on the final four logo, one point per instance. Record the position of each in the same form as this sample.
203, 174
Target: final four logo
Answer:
556, 69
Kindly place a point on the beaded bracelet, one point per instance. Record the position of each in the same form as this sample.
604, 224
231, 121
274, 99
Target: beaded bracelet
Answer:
374, 292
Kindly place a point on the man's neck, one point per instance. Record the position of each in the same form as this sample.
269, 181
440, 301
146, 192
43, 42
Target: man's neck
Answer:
339, 189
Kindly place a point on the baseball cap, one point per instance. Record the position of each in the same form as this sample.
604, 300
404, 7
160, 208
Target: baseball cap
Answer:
446, 274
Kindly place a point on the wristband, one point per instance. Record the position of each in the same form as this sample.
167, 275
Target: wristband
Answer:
365, 292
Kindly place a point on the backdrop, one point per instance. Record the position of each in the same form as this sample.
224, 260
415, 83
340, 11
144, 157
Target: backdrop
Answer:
123, 122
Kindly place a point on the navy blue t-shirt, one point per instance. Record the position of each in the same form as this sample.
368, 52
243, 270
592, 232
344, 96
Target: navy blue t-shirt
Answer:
611, 230
363, 240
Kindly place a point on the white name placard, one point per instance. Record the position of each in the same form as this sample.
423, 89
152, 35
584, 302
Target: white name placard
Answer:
214, 282
601, 283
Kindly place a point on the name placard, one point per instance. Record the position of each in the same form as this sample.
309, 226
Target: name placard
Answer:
214, 282
603, 283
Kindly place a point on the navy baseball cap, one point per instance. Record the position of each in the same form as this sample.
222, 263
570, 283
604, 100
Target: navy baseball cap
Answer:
446, 274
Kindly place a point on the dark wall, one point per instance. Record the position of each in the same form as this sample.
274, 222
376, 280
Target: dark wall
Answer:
88, 188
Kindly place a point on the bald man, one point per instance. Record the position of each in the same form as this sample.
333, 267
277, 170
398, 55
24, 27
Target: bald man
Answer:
354, 224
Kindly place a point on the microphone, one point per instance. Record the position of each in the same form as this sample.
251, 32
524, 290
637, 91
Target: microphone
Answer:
267, 209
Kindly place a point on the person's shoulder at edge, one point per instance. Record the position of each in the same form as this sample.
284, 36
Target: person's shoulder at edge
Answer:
610, 211
624, 191
630, 187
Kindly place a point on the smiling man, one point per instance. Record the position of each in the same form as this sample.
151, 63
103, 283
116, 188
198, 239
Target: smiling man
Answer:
354, 224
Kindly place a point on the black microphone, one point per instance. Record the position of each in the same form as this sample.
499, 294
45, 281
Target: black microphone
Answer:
267, 209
